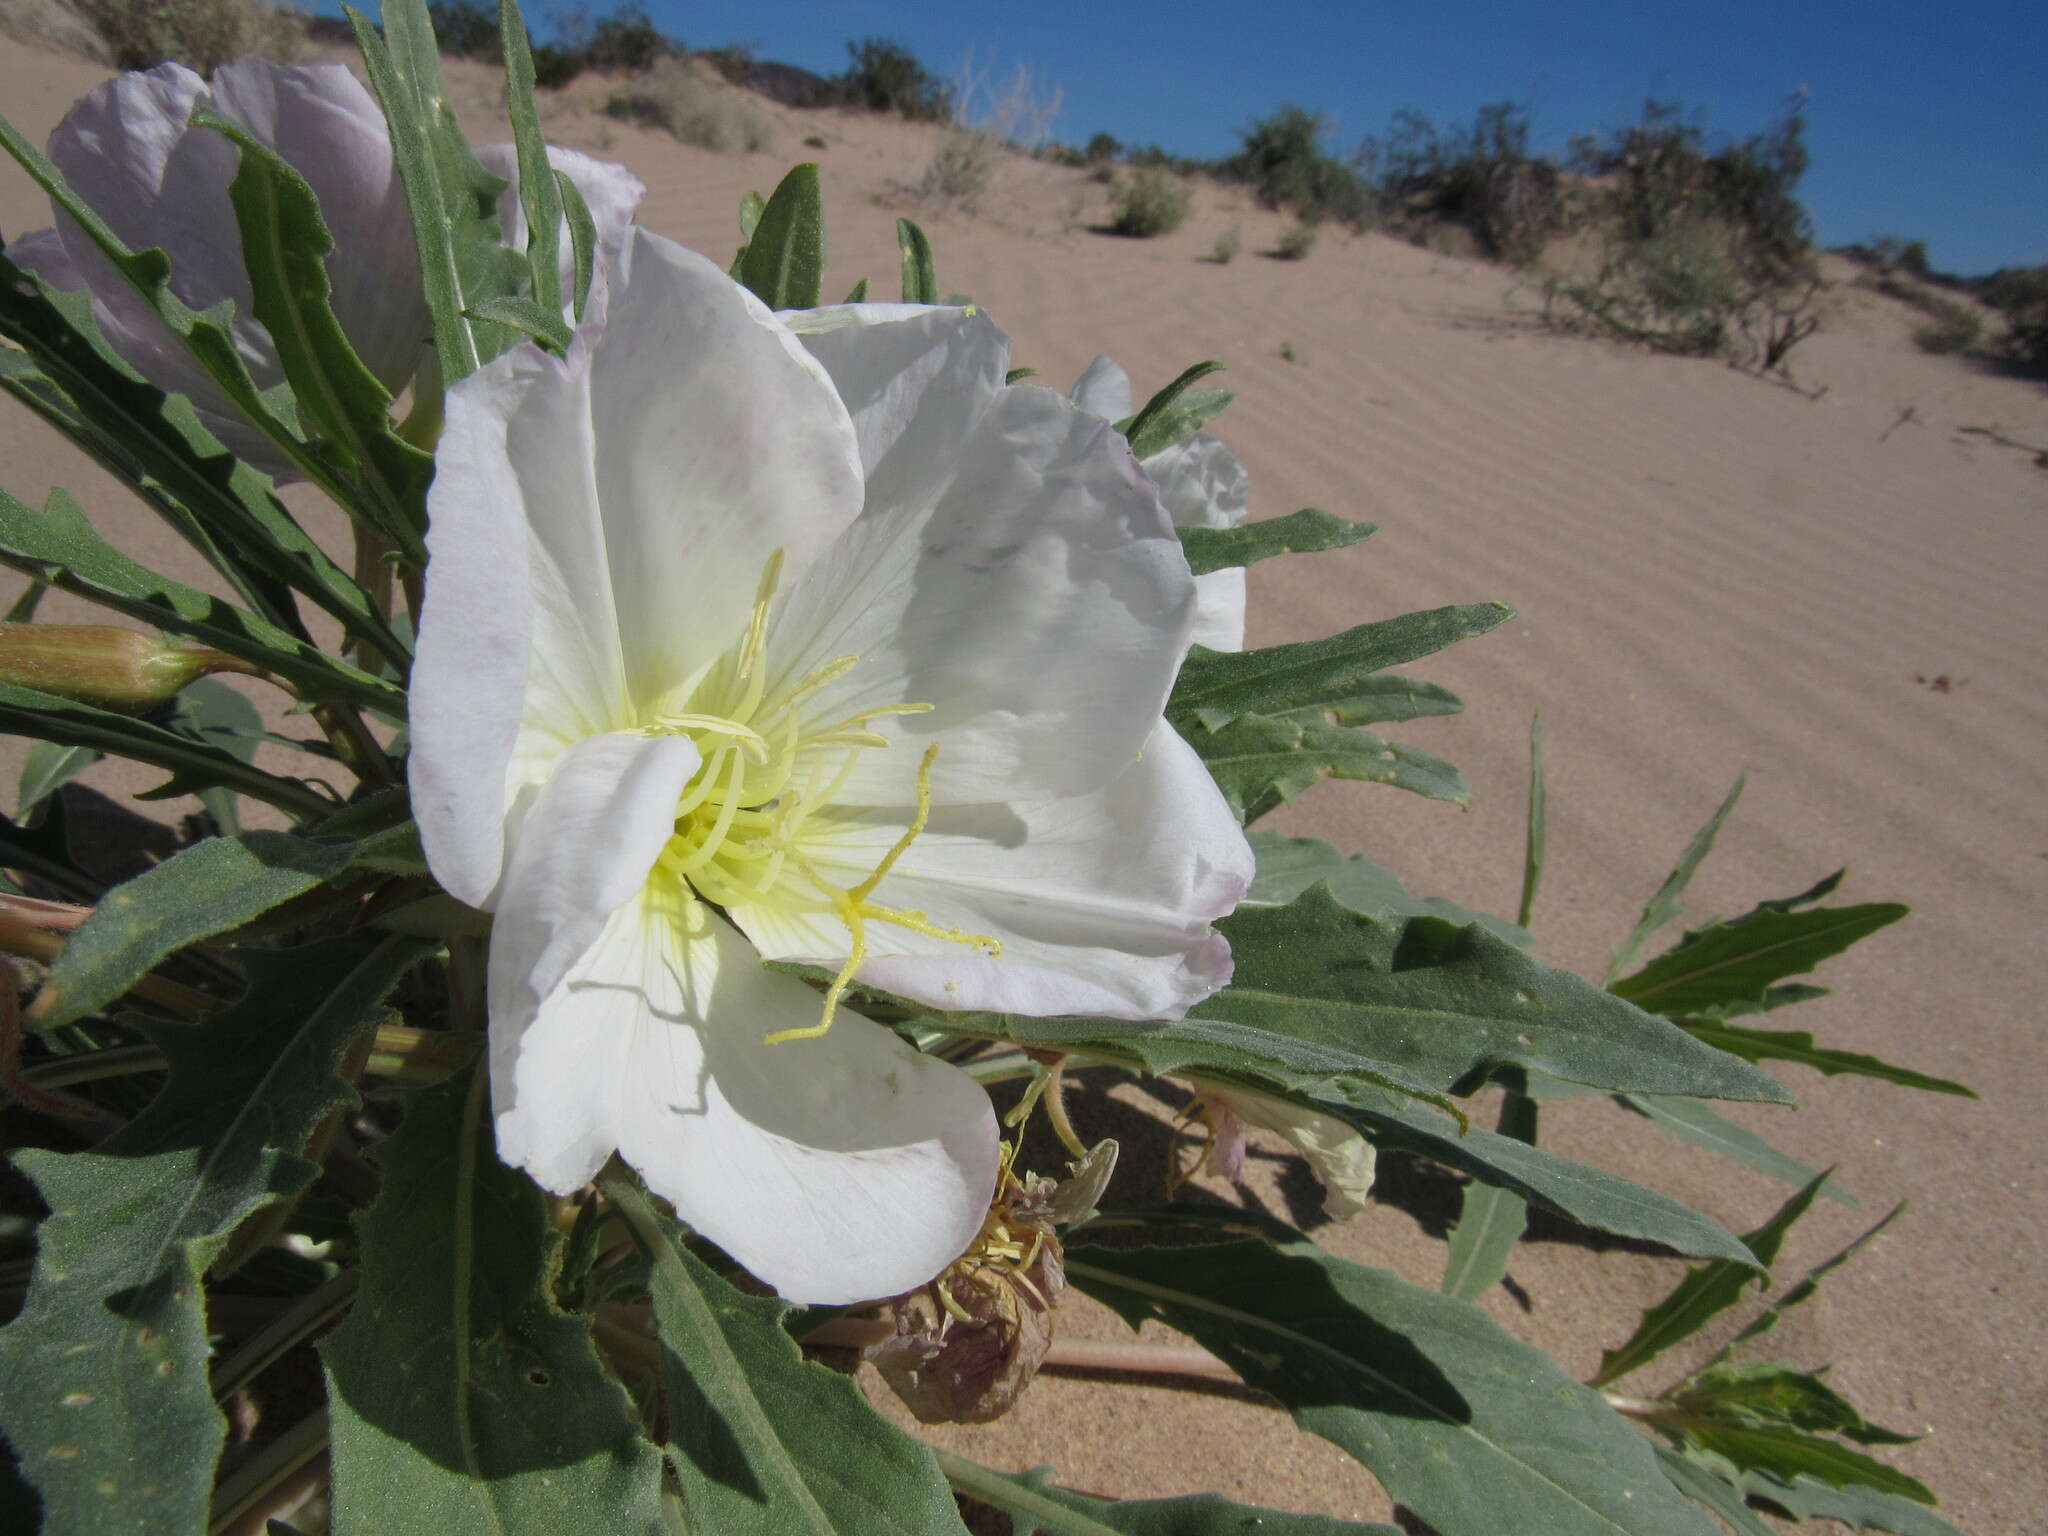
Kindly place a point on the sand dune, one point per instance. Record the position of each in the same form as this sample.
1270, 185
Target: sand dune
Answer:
1712, 575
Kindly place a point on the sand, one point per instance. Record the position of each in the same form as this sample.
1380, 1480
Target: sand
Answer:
1712, 575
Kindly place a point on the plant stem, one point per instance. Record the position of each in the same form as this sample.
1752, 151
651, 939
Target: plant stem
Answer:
273, 1473
306, 1316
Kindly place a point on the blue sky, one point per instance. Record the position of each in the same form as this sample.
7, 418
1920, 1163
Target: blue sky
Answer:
1924, 121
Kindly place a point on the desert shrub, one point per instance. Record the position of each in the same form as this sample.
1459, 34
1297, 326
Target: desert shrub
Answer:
1480, 177
1227, 245
675, 97
1706, 252
465, 29
1285, 164
2020, 294
1890, 253
555, 66
1297, 241
626, 43
886, 77
203, 34
962, 164
1153, 201
1101, 148
1951, 327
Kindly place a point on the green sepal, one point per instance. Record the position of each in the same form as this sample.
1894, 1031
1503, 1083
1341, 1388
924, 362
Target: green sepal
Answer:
783, 262
920, 275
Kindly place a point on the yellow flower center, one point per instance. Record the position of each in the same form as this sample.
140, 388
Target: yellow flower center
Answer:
768, 770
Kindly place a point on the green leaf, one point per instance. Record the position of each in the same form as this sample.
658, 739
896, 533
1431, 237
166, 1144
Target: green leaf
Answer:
1691, 1121
1171, 415
1863, 1507
1773, 999
858, 293
784, 262
539, 194
46, 769
758, 1438
1798, 1046
462, 1399
1735, 961
197, 893
1490, 1219
1384, 697
1036, 1507
1592, 1197
752, 205
1287, 866
61, 547
1788, 1455
1299, 533
1704, 1293
342, 404
1702, 1482
214, 715
920, 277
1767, 1393
453, 200
29, 712
155, 445
1809, 1283
1260, 762
1663, 907
1217, 687
1456, 1418
1532, 847
103, 1377
1442, 1006
544, 325
582, 237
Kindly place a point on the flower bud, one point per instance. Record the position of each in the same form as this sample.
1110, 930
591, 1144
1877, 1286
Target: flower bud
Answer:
123, 669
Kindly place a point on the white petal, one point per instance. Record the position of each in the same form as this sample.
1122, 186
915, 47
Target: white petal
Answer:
328, 128
718, 442
1103, 903
1201, 482
835, 1169
1041, 606
1219, 610
582, 852
916, 380
1103, 390
610, 192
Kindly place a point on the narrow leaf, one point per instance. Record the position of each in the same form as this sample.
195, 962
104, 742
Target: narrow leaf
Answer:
544, 325
45, 769
858, 293
1490, 1219
1287, 866
758, 1438
1809, 1283
462, 1400
1456, 1418
920, 277
1158, 425
103, 1377
1855, 1505
1533, 841
539, 194
1260, 762
1798, 1046
1736, 961
1216, 687
1306, 532
1703, 1294
582, 237
197, 893
1691, 1121
1035, 1507
784, 262
1663, 907
1788, 1455
28, 712
1709, 1488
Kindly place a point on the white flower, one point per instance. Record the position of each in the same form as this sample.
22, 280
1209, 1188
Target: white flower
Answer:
804, 639
128, 149
1202, 485
1342, 1158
